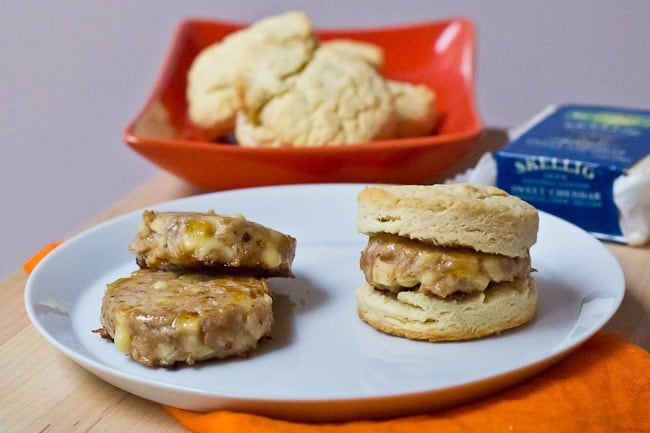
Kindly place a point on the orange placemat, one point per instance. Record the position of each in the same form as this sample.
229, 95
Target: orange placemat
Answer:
604, 386
31, 263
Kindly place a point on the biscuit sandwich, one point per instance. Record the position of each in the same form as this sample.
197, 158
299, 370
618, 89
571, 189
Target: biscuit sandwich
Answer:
446, 262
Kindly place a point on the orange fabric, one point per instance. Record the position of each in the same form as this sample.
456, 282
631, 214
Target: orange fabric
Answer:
602, 387
30, 264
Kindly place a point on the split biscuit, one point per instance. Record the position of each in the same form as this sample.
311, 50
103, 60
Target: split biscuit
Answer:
482, 217
446, 262
421, 317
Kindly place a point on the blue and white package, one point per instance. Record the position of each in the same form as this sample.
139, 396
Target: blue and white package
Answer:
583, 163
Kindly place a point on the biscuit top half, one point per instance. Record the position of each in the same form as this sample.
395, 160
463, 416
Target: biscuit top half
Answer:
483, 218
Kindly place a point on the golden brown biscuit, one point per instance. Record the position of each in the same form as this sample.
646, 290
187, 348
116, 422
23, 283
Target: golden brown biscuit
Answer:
415, 107
337, 99
421, 317
370, 53
484, 218
414, 104
212, 91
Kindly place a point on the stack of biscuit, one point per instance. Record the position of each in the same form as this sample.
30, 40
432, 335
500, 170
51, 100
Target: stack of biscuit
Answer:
201, 291
274, 84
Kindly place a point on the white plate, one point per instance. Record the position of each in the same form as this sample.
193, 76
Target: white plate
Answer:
323, 363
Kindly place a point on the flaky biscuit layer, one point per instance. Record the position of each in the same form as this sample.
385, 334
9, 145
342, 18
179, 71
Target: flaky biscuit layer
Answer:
484, 218
418, 316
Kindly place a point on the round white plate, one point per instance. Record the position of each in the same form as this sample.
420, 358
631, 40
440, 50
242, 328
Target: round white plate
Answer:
323, 363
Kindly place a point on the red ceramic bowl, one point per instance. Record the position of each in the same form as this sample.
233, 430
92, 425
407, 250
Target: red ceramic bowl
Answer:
438, 54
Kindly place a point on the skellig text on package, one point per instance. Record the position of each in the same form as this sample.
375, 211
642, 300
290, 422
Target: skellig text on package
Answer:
541, 163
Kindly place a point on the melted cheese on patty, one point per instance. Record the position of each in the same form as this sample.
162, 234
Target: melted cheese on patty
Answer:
393, 263
192, 240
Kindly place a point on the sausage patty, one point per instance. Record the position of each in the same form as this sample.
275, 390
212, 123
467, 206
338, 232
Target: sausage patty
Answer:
207, 241
160, 318
394, 263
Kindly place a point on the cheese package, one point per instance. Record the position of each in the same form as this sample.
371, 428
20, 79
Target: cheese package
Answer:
587, 164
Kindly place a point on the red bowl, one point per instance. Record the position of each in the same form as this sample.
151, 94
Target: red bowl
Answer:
438, 54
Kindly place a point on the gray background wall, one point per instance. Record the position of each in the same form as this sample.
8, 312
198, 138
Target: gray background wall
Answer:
74, 73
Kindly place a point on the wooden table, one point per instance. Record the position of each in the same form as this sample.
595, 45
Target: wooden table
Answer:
43, 391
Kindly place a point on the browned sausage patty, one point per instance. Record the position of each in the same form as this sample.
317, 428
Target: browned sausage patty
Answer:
160, 318
394, 263
211, 242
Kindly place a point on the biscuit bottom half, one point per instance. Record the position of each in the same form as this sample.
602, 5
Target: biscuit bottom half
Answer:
421, 317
